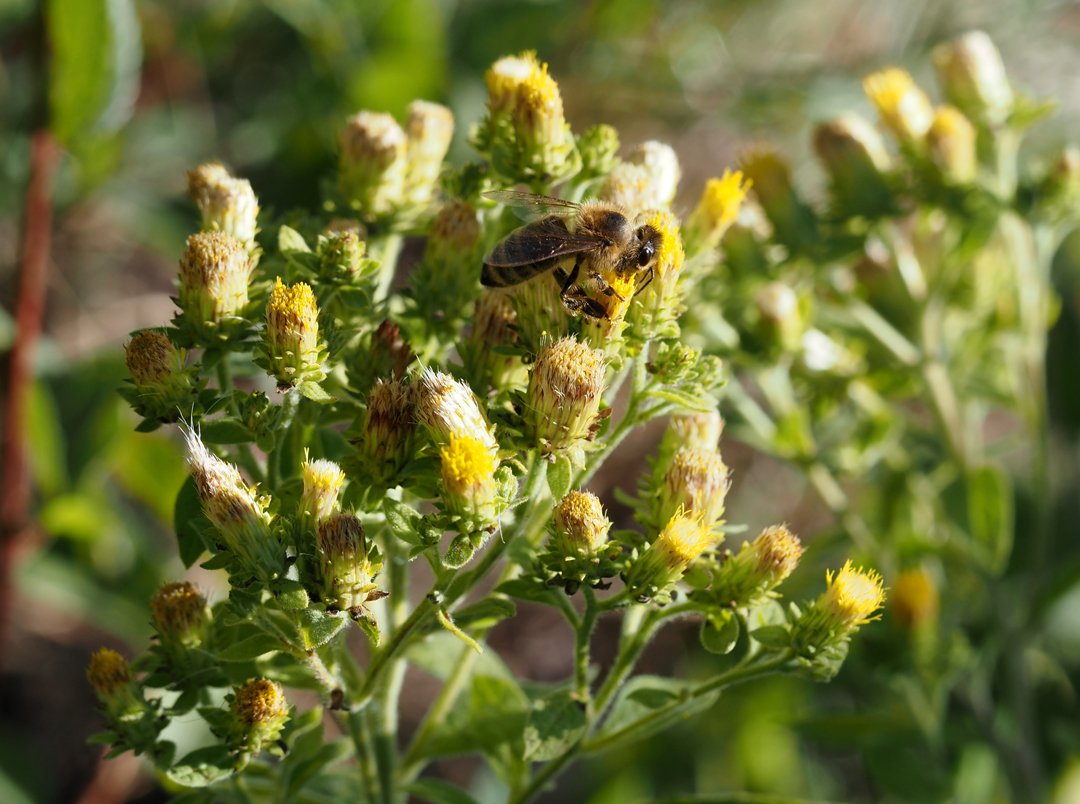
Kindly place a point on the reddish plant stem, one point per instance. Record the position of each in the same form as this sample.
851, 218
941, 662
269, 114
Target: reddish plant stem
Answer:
29, 308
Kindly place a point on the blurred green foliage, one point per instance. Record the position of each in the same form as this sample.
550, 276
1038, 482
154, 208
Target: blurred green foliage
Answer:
264, 86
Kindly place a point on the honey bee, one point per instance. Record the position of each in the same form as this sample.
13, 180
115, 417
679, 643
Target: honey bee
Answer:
600, 237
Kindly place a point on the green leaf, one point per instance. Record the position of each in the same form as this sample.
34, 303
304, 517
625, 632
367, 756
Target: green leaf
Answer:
774, 637
317, 627
94, 72
251, 648
555, 723
528, 588
315, 392
45, 441
646, 705
290, 595
699, 403
189, 523
559, 477
202, 767
290, 241
309, 768
719, 633
225, 431
485, 613
402, 520
493, 716
990, 514
436, 791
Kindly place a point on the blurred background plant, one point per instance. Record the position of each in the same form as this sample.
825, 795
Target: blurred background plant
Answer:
970, 689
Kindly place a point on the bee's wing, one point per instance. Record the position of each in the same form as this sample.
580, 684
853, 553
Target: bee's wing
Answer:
539, 242
532, 202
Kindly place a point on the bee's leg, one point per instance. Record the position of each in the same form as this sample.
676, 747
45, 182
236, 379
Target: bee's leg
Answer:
593, 308
579, 303
571, 296
645, 284
571, 278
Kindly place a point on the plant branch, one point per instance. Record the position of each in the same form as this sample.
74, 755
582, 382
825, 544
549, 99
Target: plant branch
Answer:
29, 311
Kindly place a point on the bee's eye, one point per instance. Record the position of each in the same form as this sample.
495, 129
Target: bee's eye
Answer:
646, 254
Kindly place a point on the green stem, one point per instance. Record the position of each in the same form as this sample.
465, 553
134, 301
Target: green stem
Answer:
423, 610
626, 424
631, 646
413, 761
547, 774
245, 457
386, 724
532, 524
832, 494
734, 676
582, 653
355, 724
386, 249
322, 673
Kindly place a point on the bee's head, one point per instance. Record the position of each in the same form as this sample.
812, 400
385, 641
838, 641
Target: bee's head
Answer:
648, 242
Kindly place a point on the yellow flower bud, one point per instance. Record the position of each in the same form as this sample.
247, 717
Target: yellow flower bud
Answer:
323, 480
852, 598
718, 208
227, 204
581, 526
341, 255
662, 164
428, 132
234, 509
494, 326
373, 163
781, 321
914, 598
387, 430
854, 595
973, 77
759, 567
259, 712
108, 673
563, 398
180, 614
647, 179
951, 143
114, 686
682, 541
347, 563
214, 273
904, 108
154, 362
777, 552
854, 155
695, 430
455, 231
292, 334
468, 480
448, 408
696, 481
525, 129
